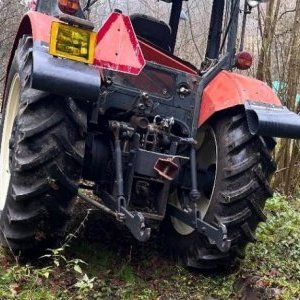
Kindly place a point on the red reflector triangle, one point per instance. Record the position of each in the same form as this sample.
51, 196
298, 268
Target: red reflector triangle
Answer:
117, 46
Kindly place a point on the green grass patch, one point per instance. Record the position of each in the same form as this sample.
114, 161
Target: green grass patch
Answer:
276, 255
123, 269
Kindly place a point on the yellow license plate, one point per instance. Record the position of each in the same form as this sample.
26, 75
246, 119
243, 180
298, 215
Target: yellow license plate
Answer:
72, 42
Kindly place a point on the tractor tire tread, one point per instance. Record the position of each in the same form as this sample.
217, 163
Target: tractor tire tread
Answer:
240, 193
241, 190
46, 137
50, 122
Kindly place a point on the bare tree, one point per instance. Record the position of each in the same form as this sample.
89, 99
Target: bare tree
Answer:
279, 65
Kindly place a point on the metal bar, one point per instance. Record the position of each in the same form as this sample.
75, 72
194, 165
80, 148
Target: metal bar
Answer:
115, 126
232, 35
195, 194
119, 169
97, 204
224, 63
246, 12
153, 216
131, 167
215, 30
218, 235
174, 21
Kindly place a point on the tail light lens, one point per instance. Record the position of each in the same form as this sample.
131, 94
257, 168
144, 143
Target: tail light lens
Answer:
72, 42
243, 60
69, 6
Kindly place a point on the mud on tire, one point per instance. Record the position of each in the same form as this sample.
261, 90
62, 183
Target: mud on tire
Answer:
244, 166
46, 144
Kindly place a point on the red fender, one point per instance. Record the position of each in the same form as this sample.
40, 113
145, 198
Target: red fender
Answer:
40, 25
229, 89
36, 24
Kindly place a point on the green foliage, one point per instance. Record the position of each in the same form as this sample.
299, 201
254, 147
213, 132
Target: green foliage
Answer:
276, 255
24, 282
101, 271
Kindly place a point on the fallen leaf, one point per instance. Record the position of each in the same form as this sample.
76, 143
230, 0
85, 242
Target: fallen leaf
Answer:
15, 289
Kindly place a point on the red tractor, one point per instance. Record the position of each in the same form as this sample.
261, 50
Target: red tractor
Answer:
167, 145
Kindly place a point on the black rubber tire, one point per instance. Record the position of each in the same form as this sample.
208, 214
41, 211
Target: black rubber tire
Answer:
46, 156
241, 189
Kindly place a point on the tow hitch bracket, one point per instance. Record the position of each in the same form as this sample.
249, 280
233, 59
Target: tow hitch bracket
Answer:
217, 236
134, 221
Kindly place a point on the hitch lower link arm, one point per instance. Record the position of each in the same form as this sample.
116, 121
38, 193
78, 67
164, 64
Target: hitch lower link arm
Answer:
217, 236
134, 221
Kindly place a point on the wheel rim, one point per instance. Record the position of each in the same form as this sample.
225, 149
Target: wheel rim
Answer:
207, 158
10, 114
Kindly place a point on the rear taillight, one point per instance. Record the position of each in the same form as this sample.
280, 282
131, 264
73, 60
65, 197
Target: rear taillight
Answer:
69, 6
243, 60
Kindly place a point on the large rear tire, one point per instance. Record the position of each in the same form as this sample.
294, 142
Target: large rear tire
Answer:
234, 195
42, 138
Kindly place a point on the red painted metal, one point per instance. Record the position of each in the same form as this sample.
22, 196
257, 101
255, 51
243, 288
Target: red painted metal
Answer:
117, 46
166, 168
40, 25
153, 54
228, 90
33, 23
225, 91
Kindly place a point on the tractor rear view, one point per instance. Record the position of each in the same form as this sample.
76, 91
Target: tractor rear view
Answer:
167, 146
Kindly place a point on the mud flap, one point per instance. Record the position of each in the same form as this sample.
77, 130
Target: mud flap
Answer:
64, 77
271, 120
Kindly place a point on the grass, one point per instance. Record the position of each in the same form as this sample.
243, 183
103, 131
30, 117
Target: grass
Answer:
117, 267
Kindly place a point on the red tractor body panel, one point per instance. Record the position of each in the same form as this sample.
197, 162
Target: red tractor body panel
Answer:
36, 24
125, 54
40, 25
229, 89
225, 91
153, 54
